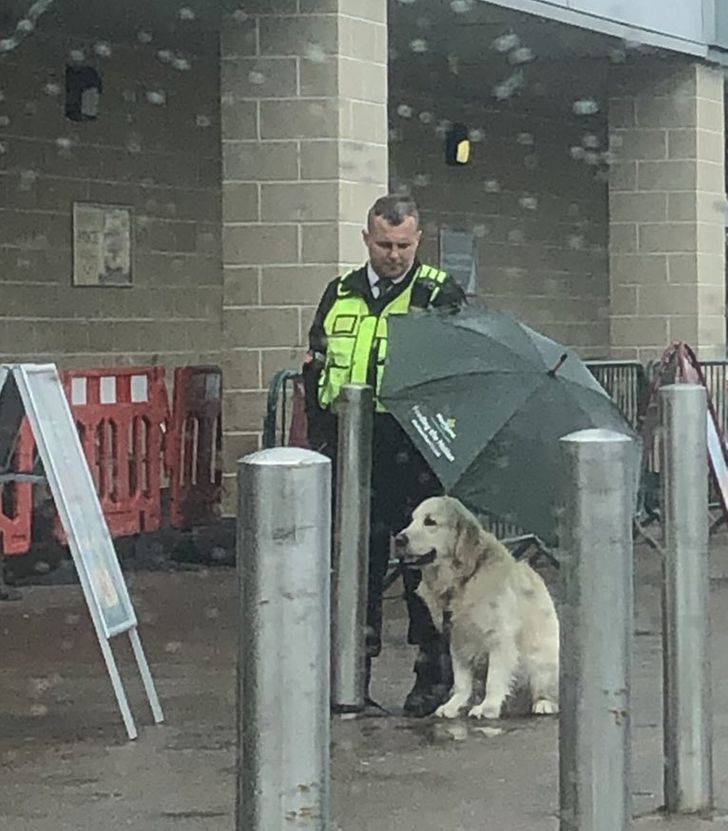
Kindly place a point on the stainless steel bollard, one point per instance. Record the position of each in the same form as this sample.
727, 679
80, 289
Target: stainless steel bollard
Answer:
284, 543
685, 598
596, 632
355, 408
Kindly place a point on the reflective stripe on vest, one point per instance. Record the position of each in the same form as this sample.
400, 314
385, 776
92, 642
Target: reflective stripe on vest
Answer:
357, 340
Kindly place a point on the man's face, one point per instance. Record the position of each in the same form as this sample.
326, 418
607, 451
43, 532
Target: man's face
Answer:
392, 248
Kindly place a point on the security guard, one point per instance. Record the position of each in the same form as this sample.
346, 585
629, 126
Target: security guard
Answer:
348, 343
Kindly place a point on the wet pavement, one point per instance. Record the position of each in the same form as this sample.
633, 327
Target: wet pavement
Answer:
66, 764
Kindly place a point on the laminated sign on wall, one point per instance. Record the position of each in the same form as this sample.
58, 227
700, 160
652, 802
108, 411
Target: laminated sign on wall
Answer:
37, 390
459, 257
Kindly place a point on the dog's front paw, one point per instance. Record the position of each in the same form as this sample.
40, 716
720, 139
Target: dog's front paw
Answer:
544, 707
447, 710
485, 710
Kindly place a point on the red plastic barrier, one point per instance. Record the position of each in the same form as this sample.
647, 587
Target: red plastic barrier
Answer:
194, 446
120, 414
16, 499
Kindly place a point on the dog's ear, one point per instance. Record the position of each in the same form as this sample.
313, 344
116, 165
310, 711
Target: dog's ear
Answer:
469, 548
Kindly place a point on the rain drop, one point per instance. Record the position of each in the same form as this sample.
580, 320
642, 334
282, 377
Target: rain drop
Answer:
173, 647
102, 49
165, 55
531, 161
186, 13
63, 143
426, 117
181, 64
418, 45
516, 237
526, 139
506, 42
315, 52
202, 121
528, 203
4, 121
212, 613
27, 180
3, 148
240, 16
157, 97
576, 242
492, 186
590, 141
404, 110
52, 88
585, 106
256, 78
77, 55
592, 158
25, 26
481, 231
144, 37
577, 153
38, 710
476, 135
8, 44
521, 56
421, 180
462, 6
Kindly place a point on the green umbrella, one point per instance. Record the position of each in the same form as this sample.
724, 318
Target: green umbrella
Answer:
486, 399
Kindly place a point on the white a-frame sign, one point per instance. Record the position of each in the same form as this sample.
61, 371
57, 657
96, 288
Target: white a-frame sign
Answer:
36, 389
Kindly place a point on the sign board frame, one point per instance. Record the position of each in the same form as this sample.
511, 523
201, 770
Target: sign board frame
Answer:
38, 390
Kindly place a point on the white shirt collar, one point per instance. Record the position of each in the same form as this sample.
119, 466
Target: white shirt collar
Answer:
374, 278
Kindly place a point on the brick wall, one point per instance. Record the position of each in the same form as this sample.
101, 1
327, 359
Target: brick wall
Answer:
304, 89
667, 209
162, 160
539, 215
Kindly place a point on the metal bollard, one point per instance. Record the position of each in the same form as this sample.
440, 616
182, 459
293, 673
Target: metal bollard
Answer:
284, 540
685, 598
350, 566
596, 632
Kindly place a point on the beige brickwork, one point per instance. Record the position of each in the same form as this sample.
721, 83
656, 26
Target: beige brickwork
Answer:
667, 210
162, 159
304, 126
539, 216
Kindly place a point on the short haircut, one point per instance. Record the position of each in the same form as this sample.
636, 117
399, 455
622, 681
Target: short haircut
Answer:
394, 210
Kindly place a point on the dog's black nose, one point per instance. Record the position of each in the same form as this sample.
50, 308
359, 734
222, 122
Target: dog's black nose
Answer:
401, 540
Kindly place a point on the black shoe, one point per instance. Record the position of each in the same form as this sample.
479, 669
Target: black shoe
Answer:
424, 698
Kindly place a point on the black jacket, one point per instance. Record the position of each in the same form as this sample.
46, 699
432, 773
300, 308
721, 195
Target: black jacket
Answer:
321, 425
450, 295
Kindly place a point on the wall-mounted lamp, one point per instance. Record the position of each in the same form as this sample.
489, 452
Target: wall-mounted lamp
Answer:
457, 145
83, 92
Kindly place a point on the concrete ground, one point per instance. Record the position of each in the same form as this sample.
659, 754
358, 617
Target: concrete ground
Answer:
65, 762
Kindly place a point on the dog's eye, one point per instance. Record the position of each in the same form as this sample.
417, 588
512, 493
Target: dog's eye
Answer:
430, 521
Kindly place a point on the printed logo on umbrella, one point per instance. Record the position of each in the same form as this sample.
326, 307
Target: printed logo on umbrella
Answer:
438, 432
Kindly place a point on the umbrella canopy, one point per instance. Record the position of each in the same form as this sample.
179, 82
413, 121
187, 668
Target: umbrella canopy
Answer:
486, 399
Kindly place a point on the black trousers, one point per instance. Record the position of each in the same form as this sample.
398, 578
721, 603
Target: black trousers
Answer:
401, 479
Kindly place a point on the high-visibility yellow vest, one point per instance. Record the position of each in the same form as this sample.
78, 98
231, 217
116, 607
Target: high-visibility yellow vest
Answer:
356, 339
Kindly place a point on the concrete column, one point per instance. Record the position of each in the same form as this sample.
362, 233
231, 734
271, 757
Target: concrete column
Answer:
304, 126
667, 209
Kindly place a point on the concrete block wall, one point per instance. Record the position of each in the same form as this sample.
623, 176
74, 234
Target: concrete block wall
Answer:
667, 209
304, 121
162, 160
539, 215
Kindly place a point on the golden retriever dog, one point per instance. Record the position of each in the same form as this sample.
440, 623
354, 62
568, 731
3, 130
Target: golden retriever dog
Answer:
500, 610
